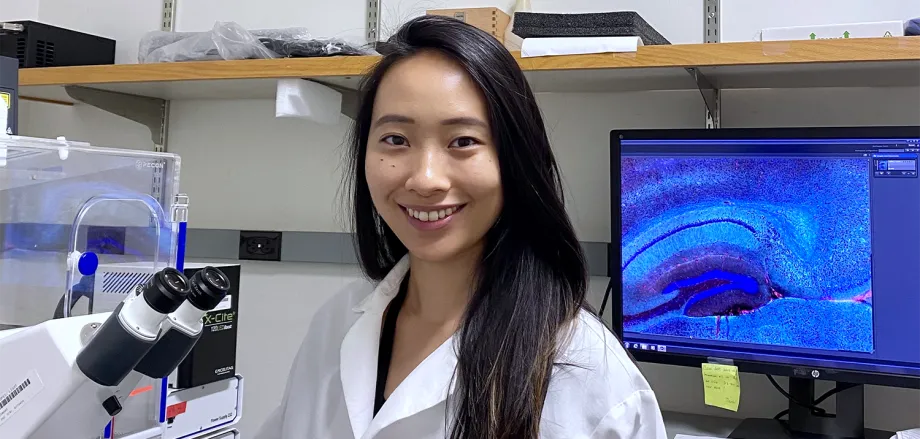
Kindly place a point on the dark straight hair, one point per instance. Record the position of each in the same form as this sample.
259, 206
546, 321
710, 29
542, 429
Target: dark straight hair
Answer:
532, 278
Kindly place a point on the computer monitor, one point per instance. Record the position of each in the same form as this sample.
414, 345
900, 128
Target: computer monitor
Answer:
791, 252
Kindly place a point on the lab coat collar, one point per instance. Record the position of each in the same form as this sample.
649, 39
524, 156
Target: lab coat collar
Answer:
428, 385
386, 290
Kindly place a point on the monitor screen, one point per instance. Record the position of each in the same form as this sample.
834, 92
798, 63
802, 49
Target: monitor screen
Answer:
801, 250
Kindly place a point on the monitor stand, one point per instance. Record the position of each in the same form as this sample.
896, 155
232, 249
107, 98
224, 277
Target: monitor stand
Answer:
848, 424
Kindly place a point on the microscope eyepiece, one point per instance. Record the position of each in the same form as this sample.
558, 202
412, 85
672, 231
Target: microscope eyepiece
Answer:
166, 290
175, 280
208, 287
216, 278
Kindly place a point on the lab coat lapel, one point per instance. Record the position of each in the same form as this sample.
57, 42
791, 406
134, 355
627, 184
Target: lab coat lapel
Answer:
425, 387
358, 355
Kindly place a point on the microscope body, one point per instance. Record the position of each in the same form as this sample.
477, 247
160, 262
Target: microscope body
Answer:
48, 396
69, 377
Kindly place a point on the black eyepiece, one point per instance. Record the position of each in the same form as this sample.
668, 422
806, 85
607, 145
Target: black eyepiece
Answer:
176, 280
166, 290
209, 286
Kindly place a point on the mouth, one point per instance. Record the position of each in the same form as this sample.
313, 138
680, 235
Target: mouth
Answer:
431, 217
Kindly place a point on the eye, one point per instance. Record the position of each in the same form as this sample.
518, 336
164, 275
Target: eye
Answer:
395, 140
464, 142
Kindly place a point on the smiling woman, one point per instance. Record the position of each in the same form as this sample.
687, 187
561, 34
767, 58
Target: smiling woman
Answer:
475, 323
430, 151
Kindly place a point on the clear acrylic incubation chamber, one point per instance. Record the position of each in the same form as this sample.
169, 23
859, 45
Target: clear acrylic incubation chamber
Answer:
67, 208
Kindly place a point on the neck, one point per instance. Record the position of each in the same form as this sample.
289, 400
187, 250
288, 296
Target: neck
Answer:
440, 291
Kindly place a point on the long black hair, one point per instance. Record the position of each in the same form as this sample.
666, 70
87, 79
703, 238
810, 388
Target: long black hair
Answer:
532, 278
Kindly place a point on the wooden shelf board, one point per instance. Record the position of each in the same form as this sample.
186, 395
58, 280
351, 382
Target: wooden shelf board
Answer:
787, 64
739, 54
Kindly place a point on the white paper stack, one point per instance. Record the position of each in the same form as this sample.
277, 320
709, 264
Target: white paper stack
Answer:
578, 45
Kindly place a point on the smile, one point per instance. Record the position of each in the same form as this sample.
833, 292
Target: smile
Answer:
430, 218
434, 214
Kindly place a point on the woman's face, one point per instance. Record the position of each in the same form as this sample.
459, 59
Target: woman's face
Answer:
432, 167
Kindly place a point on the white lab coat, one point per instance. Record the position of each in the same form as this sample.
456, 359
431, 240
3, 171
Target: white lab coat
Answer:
330, 390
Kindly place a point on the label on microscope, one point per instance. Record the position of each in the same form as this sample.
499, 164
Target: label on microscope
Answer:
14, 398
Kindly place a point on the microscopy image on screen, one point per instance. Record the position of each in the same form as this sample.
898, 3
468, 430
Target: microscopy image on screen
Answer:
771, 251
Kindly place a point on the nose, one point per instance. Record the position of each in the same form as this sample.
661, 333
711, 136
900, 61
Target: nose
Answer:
429, 172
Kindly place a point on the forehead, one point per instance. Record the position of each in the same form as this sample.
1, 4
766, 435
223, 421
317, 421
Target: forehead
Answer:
428, 86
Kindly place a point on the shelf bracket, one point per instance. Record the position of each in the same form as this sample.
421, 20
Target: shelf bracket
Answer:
146, 111
712, 97
351, 99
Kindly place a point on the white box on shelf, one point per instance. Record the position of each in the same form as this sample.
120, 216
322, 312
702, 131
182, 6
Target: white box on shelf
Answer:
213, 407
835, 31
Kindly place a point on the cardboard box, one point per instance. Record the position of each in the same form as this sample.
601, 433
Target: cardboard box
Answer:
492, 20
835, 31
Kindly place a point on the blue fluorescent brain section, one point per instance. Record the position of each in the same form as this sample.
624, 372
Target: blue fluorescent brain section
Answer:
772, 251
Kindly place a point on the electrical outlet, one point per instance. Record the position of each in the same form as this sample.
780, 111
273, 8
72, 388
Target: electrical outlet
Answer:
260, 246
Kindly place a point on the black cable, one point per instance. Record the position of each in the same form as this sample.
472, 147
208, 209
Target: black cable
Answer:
821, 399
606, 297
808, 405
815, 410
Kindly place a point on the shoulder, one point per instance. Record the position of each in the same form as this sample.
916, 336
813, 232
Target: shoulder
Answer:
334, 318
596, 389
589, 352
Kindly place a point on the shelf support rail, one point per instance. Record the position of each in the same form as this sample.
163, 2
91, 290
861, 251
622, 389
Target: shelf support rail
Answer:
372, 22
167, 24
712, 96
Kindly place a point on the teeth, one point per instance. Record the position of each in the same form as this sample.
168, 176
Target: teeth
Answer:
431, 216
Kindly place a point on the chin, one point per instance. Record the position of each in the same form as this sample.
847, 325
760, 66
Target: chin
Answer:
434, 252
441, 250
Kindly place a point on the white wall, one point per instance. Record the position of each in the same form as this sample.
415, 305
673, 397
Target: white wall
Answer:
18, 10
741, 21
259, 154
344, 20
88, 17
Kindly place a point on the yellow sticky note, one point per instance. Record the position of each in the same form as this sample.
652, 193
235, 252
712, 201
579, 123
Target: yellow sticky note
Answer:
7, 100
721, 386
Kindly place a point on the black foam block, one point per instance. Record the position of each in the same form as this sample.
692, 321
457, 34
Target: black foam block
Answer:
604, 24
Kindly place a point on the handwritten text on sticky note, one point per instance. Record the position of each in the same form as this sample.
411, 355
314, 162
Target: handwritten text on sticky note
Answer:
721, 386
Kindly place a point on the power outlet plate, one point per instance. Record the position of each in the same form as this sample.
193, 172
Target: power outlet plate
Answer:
260, 246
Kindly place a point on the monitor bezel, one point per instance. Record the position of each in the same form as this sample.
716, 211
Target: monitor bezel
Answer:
615, 256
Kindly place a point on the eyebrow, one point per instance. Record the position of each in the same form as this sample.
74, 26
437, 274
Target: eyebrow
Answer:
465, 121
393, 118
398, 118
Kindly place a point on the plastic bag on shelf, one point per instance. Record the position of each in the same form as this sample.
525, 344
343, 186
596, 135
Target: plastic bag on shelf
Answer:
912, 27
230, 41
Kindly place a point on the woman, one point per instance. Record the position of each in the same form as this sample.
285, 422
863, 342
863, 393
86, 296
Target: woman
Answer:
477, 326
